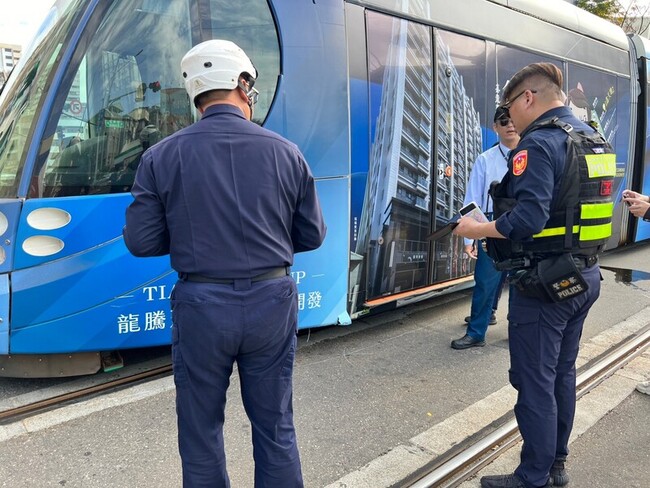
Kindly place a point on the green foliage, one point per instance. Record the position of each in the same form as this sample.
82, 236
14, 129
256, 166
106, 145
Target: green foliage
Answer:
633, 17
607, 9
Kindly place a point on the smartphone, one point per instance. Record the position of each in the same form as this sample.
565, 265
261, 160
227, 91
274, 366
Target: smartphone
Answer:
468, 208
473, 211
625, 201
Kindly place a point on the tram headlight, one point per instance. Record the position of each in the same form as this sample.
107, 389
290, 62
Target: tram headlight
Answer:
48, 218
4, 224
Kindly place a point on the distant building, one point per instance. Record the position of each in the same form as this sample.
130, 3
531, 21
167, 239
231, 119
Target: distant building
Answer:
9, 56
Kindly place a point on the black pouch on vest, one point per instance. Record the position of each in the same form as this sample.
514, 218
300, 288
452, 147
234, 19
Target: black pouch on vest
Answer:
560, 278
528, 283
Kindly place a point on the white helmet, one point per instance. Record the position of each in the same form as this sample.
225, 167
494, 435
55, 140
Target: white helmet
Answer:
215, 65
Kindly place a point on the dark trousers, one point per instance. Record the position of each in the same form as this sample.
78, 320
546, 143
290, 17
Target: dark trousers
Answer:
544, 340
216, 325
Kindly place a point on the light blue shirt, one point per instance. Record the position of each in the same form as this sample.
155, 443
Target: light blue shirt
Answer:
489, 166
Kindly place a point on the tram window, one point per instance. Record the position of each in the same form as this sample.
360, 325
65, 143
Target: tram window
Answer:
592, 96
124, 92
24, 93
250, 25
511, 60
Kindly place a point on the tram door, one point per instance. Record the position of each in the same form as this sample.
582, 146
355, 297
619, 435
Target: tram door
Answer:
427, 123
462, 132
395, 220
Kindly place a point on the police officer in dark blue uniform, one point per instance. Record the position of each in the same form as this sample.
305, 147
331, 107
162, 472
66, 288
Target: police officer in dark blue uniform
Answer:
230, 202
554, 209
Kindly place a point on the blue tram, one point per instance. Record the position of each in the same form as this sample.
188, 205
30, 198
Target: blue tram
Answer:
390, 101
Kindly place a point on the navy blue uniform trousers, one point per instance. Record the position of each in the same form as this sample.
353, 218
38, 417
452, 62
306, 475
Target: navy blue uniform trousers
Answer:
216, 325
544, 339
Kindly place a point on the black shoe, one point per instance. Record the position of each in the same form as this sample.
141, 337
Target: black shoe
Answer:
466, 342
559, 476
502, 481
492, 321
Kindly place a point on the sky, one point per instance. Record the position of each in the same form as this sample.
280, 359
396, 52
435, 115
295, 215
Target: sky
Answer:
21, 18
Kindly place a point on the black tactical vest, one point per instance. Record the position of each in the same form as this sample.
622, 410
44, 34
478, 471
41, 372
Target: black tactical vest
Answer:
580, 220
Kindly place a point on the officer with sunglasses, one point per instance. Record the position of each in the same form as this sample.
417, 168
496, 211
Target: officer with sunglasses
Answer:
553, 213
490, 166
231, 203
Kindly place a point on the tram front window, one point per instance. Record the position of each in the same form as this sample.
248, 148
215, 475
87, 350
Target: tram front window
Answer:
25, 90
124, 92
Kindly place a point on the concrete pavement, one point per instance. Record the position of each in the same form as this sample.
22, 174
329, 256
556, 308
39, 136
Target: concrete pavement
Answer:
361, 393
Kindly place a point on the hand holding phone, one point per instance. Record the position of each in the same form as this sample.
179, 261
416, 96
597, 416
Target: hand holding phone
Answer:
473, 211
626, 195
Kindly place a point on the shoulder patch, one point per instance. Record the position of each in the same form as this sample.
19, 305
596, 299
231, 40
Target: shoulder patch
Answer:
519, 162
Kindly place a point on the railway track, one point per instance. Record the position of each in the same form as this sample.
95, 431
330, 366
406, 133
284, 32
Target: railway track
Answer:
17, 413
456, 467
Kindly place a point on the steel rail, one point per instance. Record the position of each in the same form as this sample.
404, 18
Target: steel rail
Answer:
12, 414
460, 467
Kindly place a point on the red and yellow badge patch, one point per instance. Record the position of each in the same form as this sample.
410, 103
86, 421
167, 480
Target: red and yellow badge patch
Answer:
519, 162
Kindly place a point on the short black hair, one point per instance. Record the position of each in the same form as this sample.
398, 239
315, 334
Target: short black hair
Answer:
548, 71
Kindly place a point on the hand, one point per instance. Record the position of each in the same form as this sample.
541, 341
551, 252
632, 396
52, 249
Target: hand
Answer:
470, 228
632, 194
471, 251
637, 206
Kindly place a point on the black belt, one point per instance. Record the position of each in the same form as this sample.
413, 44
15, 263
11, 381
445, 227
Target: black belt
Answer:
269, 275
581, 263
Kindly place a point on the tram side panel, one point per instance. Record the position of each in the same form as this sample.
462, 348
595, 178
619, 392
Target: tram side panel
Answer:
92, 296
75, 286
311, 109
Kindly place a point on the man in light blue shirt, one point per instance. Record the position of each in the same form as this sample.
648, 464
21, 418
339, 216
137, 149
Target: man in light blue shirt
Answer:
490, 166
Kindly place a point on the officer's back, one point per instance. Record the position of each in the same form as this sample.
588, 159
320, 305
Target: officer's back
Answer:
230, 189
224, 197
230, 202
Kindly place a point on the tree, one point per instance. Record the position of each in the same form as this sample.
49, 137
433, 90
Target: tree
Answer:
633, 17
607, 9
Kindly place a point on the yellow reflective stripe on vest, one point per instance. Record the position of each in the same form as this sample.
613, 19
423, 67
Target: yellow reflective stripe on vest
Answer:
555, 231
595, 232
600, 165
596, 210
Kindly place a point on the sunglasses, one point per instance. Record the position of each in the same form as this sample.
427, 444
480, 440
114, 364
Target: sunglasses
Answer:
504, 121
508, 103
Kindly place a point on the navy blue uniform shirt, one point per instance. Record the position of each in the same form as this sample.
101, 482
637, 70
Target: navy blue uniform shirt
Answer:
225, 198
536, 183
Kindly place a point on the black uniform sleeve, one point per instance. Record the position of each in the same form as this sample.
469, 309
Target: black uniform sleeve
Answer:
308, 228
145, 232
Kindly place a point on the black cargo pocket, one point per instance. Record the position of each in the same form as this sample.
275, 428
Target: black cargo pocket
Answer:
524, 338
